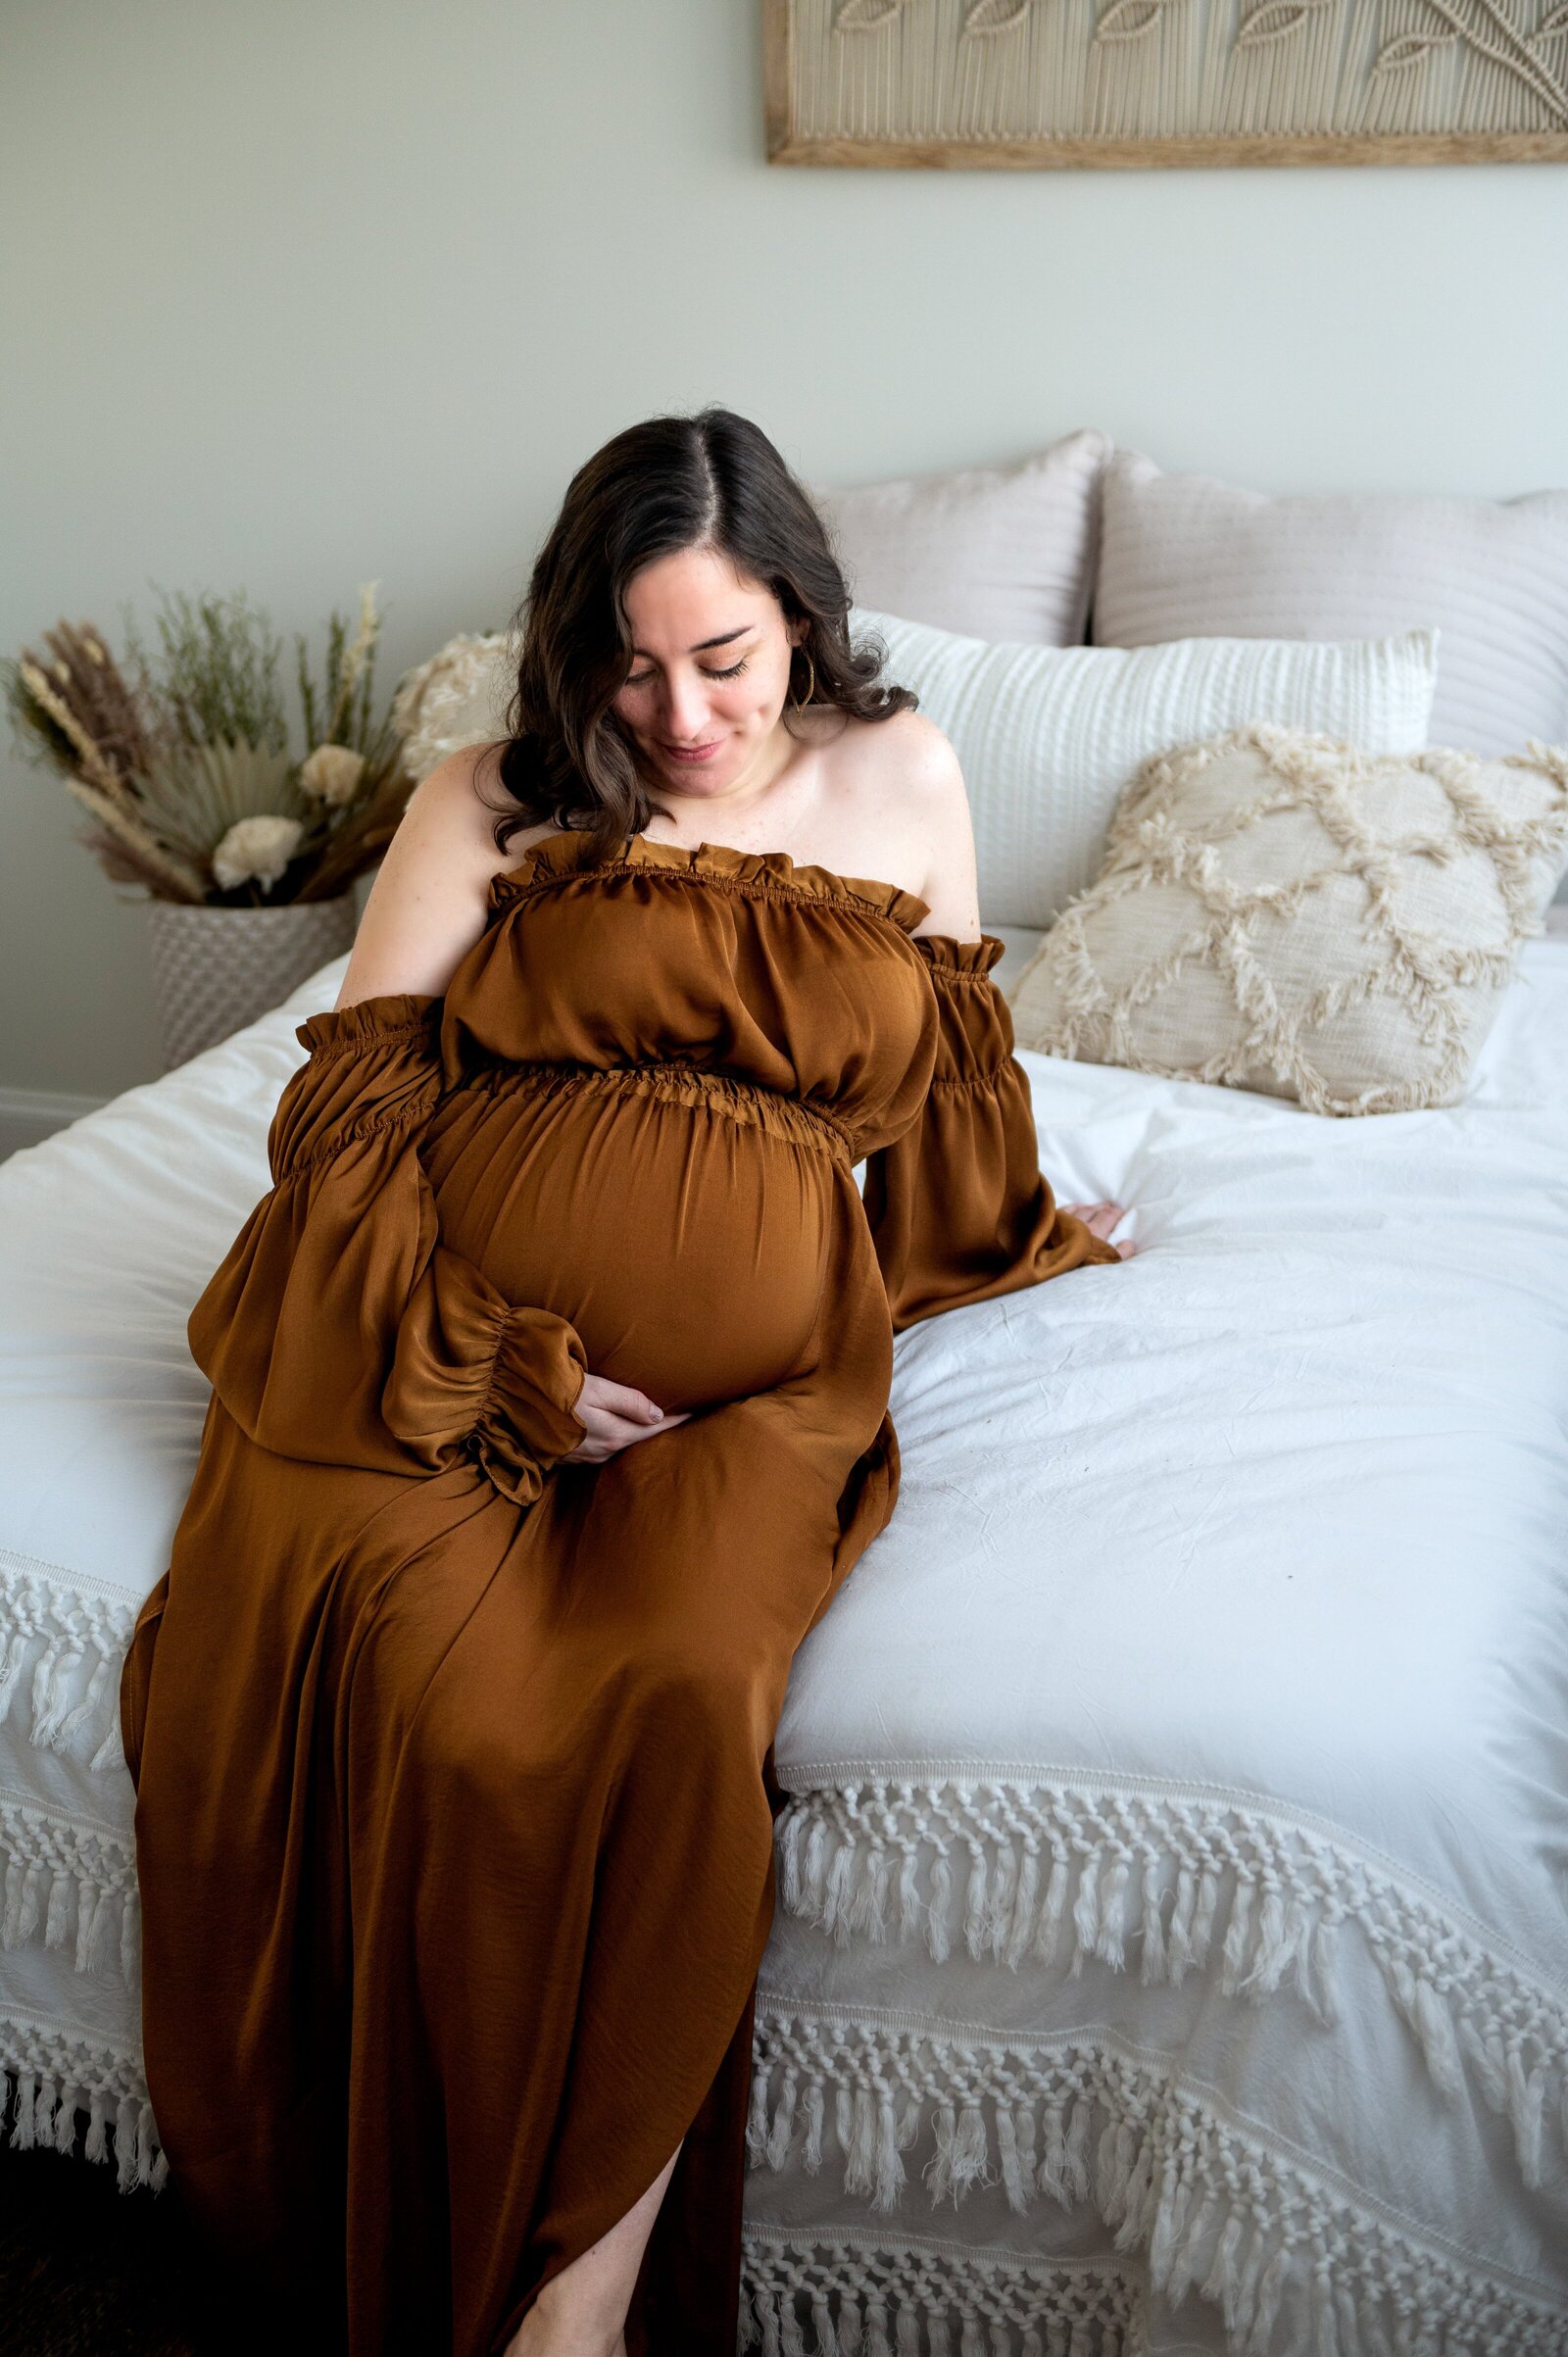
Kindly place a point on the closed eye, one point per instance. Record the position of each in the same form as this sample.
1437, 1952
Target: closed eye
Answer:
641, 679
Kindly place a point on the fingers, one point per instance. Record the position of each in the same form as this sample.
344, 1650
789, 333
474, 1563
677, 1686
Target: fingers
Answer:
607, 1436
616, 1415
620, 1399
1100, 1218
650, 1432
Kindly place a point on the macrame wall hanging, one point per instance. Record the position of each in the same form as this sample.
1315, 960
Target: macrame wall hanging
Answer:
1165, 81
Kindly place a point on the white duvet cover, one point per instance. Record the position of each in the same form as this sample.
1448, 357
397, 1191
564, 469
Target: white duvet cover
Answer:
1173, 1947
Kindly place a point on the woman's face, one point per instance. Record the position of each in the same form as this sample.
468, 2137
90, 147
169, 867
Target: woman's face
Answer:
709, 672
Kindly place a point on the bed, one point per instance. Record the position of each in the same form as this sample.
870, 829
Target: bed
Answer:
1170, 1950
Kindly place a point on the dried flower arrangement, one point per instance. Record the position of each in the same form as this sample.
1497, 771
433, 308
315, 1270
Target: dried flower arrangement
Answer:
182, 760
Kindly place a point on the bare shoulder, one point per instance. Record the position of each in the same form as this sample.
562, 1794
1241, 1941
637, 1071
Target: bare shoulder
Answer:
453, 814
906, 781
457, 803
896, 776
431, 899
909, 751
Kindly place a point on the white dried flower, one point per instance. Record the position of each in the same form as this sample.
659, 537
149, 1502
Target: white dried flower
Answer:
256, 847
354, 660
332, 774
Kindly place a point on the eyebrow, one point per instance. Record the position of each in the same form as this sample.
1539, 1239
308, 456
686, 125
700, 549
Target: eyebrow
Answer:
703, 643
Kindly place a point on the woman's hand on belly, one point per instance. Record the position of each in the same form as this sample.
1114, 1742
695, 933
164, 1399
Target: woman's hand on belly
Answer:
616, 1415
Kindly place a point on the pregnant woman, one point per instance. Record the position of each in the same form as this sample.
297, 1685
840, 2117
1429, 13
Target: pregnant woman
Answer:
550, 1411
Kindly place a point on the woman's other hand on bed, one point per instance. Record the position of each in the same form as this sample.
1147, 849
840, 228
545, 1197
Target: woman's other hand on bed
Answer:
615, 1415
1101, 1218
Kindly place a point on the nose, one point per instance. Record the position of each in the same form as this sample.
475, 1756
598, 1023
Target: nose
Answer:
686, 710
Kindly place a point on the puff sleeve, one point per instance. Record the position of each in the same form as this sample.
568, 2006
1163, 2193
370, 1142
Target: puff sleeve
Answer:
959, 1208
339, 1328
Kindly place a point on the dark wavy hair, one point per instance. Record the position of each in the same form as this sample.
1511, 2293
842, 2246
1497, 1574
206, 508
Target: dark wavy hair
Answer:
709, 481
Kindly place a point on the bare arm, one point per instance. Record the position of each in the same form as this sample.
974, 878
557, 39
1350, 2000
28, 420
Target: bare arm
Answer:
952, 885
428, 906
426, 910
931, 784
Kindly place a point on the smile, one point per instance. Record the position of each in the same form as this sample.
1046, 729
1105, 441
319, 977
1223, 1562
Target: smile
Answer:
694, 753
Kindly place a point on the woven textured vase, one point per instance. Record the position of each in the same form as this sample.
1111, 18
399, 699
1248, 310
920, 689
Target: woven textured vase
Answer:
217, 970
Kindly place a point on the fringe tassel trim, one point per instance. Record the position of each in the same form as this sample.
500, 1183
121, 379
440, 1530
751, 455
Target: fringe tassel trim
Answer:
62, 1649
49, 2079
902, 2300
1054, 1875
1206, 2207
72, 1884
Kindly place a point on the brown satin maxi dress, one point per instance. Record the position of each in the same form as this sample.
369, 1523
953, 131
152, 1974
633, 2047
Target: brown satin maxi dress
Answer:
453, 1769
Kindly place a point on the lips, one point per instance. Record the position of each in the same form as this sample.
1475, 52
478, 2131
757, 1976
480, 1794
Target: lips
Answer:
694, 753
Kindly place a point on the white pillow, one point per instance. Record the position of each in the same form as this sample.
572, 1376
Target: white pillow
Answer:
1183, 556
1048, 737
1007, 552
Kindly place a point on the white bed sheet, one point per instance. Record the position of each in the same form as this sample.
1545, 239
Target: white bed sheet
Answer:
1246, 1556
1249, 1554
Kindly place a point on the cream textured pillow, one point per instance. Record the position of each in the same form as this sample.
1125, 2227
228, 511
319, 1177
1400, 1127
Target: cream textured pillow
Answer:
1183, 556
1003, 551
458, 698
1286, 912
1048, 737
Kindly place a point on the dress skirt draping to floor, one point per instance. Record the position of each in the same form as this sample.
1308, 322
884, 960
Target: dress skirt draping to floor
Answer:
454, 1759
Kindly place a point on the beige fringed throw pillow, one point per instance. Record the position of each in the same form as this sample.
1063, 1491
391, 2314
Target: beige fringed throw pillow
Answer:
1283, 913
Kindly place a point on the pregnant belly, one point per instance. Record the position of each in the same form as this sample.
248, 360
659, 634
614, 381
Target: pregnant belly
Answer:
685, 1245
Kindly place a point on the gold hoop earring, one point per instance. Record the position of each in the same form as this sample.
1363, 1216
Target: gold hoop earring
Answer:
799, 704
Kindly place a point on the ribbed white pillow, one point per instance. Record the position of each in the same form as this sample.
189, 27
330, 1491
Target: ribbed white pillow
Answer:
1048, 737
1183, 556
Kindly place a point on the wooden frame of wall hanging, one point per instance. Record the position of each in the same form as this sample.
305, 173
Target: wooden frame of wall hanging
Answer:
1074, 82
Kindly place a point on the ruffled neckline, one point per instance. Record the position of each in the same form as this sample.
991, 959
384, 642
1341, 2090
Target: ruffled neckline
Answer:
560, 854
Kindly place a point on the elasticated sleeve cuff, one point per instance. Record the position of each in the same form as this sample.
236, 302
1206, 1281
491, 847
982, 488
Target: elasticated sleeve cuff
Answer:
474, 1375
339, 1328
959, 1208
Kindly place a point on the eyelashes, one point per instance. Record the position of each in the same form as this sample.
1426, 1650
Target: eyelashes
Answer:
641, 679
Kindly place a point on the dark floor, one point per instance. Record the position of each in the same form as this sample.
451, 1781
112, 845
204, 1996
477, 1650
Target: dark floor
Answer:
86, 2271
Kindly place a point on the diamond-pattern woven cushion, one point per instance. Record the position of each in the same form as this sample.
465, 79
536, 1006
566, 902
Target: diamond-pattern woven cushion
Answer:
1282, 911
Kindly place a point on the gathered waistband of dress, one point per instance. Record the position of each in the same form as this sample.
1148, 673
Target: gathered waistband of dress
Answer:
746, 1102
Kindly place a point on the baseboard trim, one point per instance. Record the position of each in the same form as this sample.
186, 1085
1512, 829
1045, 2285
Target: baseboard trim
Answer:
29, 1115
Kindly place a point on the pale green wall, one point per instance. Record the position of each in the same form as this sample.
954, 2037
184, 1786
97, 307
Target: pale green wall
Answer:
303, 293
